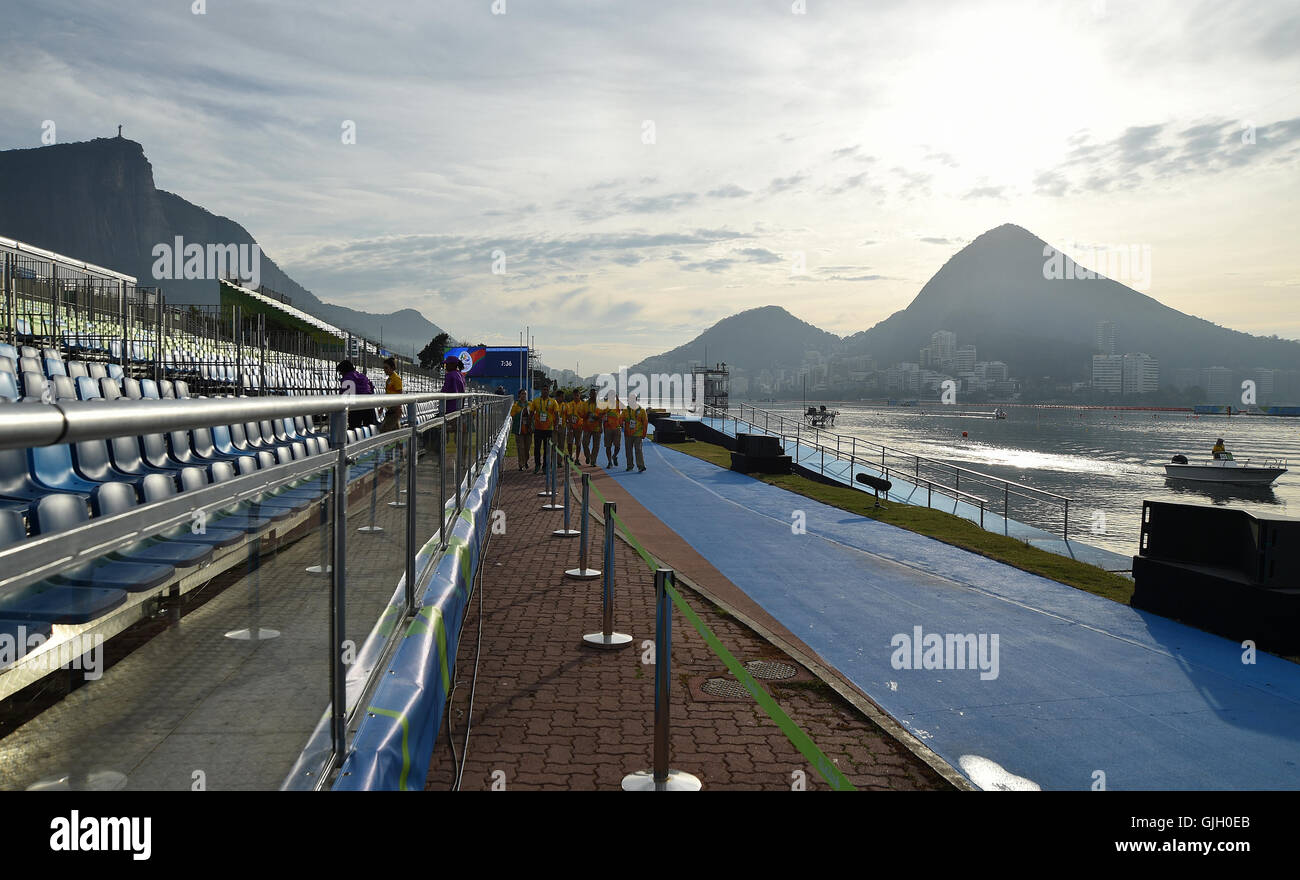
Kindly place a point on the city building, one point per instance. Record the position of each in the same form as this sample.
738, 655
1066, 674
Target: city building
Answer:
1107, 337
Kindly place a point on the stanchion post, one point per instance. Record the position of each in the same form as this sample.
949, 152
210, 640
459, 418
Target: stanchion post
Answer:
607, 638
582, 572
660, 777
374, 497
566, 532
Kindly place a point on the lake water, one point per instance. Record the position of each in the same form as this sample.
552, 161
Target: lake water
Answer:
1104, 461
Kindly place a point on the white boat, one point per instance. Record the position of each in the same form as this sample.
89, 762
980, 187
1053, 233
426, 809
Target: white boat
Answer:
1227, 470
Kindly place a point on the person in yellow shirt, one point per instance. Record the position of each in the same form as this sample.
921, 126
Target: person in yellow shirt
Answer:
592, 429
574, 422
634, 429
392, 415
521, 425
613, 420
545, 413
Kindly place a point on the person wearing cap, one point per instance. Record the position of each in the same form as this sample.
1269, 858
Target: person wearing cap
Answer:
545, 413
1219, 450
521, 426
613, 419
634, 430
393, 414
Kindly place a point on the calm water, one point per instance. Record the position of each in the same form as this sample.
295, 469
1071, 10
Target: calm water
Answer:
1103, 461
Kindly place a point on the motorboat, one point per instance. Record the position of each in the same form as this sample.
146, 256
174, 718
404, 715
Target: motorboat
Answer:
999, 413
1226, 469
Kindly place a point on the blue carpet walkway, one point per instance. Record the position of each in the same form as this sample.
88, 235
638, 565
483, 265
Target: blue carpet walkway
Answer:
1083, 686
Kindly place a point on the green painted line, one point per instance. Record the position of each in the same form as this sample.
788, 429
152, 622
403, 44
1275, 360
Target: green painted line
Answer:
784, 722
406, 749
433, 615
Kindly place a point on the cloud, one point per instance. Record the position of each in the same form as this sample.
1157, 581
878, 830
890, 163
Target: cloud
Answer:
781, 184
728, 191
985, 192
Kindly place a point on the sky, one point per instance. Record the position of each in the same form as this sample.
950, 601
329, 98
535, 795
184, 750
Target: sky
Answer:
621, 175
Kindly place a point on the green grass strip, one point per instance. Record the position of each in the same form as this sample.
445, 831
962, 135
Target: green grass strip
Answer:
792, 731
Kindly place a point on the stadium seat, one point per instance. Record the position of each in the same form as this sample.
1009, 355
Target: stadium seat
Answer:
109, 389
237, 517
56, 513
158, 487
16, 481
55, 367
34, 385
8, 386
96, 371
131, 388
152, 551
64, 388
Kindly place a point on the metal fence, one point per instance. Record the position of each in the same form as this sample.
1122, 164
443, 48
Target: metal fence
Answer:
983, 491
361, 543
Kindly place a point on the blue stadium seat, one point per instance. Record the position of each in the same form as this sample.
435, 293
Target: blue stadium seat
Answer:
34, 385
51, 467
131, 388
16, 479
64, 388
157, 487
115, 371
126, 457
149, 390
9, 351
55, 367
237, 517
87, 389
8, 386
55, 513
157, 552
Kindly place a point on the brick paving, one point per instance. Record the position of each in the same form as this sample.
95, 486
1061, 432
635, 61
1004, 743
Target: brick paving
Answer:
551, 714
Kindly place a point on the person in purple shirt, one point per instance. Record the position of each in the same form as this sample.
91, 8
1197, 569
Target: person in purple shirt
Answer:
454, 383
353, 381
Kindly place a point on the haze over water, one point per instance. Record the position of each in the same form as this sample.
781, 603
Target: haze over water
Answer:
1102, 460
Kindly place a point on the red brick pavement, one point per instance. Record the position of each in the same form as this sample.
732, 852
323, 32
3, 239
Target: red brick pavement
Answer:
551, 714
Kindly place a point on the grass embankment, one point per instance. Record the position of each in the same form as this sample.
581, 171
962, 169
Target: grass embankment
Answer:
938, 525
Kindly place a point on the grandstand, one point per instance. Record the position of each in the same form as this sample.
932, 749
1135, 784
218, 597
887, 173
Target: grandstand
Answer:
203, 570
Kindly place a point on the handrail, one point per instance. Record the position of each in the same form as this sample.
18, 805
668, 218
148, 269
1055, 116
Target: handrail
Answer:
28, 423
815, 436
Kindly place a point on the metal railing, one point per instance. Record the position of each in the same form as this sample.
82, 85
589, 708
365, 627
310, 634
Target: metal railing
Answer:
471, 431
933, 474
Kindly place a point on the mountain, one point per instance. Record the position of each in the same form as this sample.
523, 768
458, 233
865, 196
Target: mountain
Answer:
753, 340
993, 295
96, 201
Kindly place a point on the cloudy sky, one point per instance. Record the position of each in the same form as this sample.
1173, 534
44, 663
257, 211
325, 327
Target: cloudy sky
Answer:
647, 168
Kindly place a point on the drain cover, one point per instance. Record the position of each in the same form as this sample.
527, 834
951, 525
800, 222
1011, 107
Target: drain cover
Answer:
724, 687
770, 670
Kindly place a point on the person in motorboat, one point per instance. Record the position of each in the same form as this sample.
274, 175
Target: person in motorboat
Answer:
1219, 451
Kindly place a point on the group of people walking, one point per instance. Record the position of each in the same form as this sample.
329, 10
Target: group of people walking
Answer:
577, 428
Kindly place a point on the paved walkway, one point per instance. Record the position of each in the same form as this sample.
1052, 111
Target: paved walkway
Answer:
550, 714
1084, 686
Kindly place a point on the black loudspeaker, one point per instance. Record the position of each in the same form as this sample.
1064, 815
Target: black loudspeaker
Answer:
759, 454
1224, 570
669, 431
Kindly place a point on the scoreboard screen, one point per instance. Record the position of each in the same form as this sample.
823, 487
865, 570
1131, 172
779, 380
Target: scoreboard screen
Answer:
491, 361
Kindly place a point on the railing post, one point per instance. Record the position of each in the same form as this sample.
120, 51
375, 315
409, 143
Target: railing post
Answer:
582, 572
608, 639
660, 777
442, 477
1006, 509
338, 587
1065, 530
551, 481
410, 509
